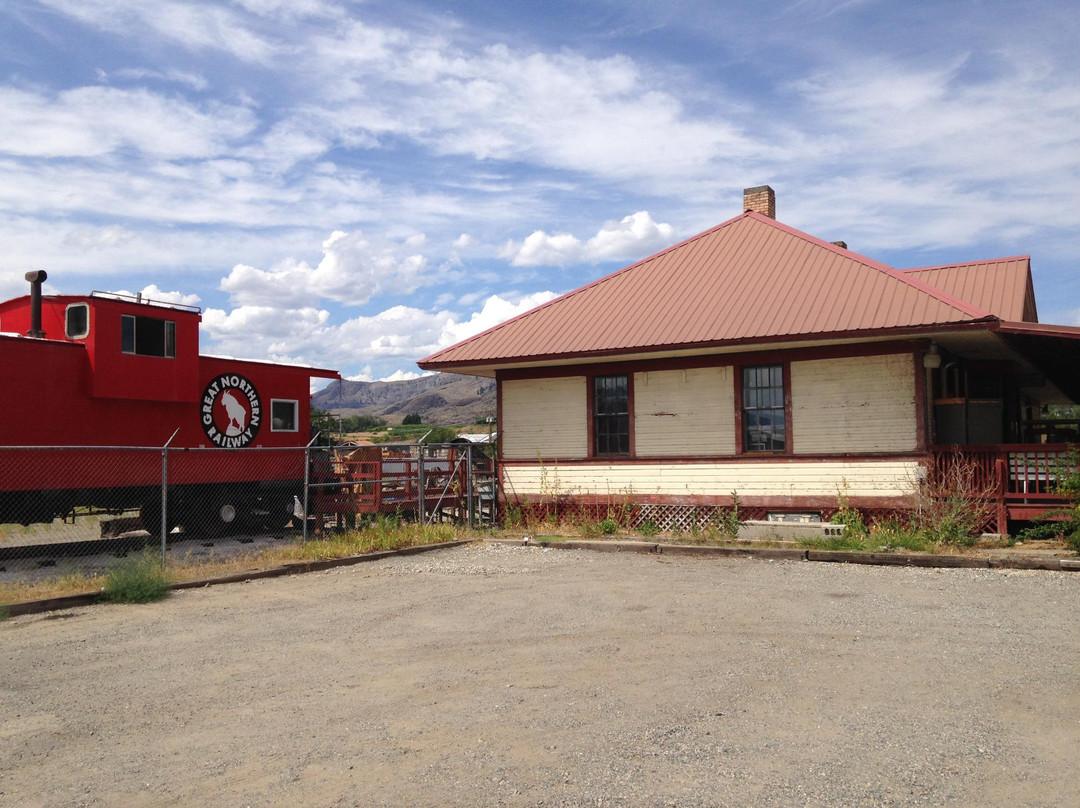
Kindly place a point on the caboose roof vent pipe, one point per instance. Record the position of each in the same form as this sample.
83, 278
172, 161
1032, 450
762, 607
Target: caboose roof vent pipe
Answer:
36, 278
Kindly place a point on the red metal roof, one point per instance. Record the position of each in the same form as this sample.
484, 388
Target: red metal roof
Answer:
748, 279
1002, 287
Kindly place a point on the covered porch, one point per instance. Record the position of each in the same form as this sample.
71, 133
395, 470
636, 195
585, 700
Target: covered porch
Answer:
1005, 402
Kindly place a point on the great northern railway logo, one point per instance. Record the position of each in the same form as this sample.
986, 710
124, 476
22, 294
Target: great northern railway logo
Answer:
231, 411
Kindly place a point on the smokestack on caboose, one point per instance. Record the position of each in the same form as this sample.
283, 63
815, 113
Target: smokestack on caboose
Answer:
36, 278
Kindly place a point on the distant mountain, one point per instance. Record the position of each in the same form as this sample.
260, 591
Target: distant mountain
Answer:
442, 398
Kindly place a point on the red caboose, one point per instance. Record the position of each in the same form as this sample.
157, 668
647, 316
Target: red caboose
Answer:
104, 370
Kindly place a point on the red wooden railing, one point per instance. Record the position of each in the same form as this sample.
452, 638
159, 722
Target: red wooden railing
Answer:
1022, 476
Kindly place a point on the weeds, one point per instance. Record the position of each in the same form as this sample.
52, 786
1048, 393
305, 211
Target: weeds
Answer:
954, 501
648, 528
849, 517
608, 526
137, 579
728, 521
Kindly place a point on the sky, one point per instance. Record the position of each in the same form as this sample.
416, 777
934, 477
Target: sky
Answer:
355, 185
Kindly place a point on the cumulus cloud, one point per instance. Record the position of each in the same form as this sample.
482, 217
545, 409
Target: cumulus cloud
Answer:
496, 310
635, 236
377, 344
402, 375
351, 271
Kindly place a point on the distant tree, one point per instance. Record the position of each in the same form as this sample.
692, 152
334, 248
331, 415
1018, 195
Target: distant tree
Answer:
362, 423
441, 434
412, 418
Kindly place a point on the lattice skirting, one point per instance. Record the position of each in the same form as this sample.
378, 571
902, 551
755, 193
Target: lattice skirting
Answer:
670, 518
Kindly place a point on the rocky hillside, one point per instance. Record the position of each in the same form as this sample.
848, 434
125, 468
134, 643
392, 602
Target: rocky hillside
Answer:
442, 398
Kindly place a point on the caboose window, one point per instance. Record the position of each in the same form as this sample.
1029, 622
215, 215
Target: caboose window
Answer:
147, 336
77, 321
283, 415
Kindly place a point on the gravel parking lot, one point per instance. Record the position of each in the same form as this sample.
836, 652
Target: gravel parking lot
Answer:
497, 675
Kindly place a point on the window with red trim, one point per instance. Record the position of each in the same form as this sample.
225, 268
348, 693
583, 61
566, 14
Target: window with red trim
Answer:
611, 415
764, 424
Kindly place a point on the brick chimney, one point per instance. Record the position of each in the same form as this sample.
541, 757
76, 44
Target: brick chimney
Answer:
761, 199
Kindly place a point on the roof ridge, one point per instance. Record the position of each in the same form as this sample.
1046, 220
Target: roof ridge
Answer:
870, 263
968, 263
590, 285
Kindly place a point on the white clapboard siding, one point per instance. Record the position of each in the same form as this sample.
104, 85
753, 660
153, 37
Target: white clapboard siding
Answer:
854, 404
684, 412
544, 417
884, 478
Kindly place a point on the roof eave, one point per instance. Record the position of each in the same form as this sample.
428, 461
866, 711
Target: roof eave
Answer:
988, 323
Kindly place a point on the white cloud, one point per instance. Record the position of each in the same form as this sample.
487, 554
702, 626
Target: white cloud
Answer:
402, 375
192, 80
495, 310
152, 294
463, 241
601, 117
927, 156
197, 26
351, 271
98, 238
635, 236
308, 336
94, 121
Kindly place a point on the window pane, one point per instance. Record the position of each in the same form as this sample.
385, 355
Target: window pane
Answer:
127, 334
763, 409
77, 321
283, 416
611, 415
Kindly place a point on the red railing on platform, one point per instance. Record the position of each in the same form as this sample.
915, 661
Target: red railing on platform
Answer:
1026, 473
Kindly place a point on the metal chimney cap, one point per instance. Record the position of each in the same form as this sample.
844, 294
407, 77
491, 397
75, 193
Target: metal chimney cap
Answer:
37, 276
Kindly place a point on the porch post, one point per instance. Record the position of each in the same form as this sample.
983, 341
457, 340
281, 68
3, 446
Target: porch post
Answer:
1001, 467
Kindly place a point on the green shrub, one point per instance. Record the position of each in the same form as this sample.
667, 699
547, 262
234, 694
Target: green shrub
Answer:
648, 528
727, 520
609, 526
850, 518
891, 534
412, 418
137, 579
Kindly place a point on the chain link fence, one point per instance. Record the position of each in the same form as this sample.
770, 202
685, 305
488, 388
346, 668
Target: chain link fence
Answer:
78, 509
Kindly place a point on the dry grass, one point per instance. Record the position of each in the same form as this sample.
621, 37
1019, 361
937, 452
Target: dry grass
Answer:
386, 534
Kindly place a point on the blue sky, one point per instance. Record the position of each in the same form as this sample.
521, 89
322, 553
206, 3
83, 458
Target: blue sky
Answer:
355, 185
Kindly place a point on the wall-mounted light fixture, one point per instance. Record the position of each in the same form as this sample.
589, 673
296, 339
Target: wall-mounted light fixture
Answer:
932, 358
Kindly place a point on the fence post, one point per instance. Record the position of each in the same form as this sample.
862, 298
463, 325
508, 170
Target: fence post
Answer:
307, 483
421, 494
496, 475
165, 494
470, 488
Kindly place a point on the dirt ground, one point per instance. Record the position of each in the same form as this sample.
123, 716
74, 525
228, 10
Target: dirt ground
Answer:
497, 675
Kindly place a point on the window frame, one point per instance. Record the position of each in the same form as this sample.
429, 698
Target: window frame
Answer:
67, 315
740, 410
593, 416
296, 414
168, 336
